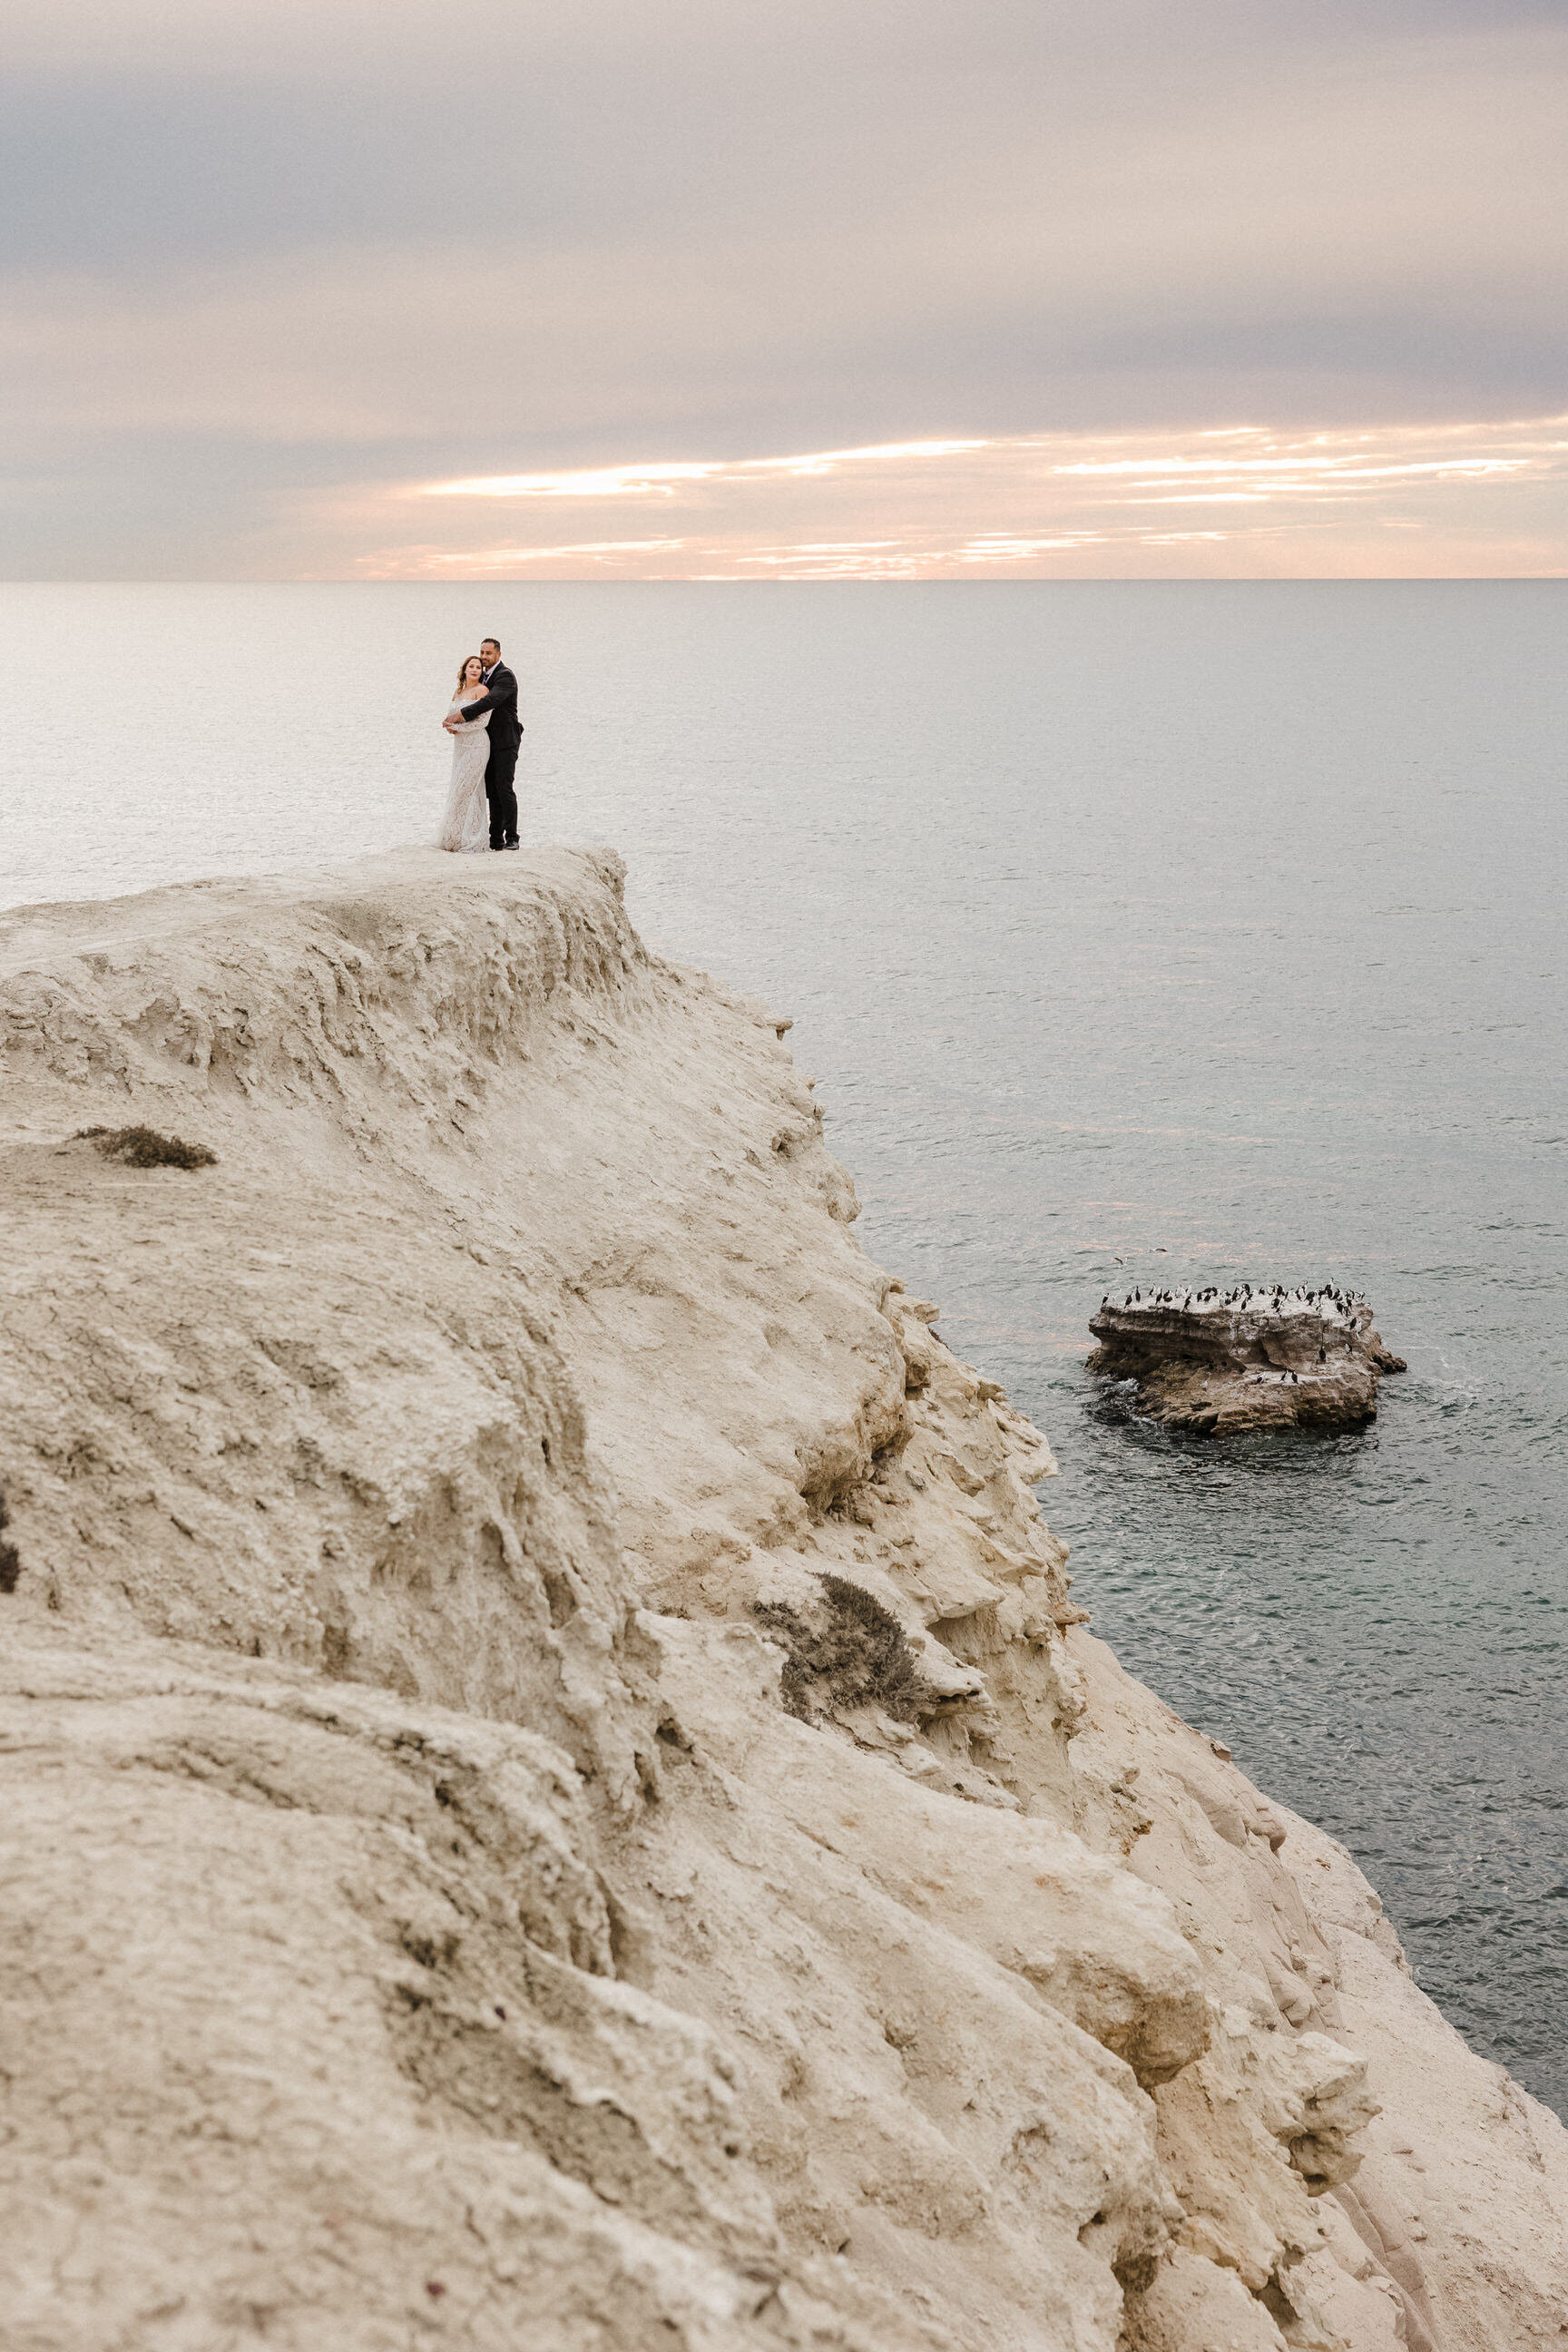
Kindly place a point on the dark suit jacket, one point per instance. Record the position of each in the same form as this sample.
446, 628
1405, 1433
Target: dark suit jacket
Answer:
499, 698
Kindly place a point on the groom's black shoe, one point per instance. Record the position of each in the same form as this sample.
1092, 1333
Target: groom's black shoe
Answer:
509, 845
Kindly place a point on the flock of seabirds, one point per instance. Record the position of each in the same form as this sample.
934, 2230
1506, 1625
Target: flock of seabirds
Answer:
1329, 1303
1326, 1301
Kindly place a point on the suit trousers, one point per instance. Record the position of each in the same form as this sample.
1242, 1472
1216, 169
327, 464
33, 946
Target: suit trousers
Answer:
500, 770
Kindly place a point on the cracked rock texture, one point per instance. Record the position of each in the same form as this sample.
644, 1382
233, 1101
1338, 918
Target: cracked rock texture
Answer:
556, 1797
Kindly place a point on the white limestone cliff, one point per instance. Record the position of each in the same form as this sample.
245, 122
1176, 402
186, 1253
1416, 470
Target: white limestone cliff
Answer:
556, 1794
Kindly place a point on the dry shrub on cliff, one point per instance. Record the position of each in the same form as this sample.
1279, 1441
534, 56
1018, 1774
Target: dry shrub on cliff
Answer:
10, 1558
851, 1652
143, 1147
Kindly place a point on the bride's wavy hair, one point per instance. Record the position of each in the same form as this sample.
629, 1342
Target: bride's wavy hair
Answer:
463, 667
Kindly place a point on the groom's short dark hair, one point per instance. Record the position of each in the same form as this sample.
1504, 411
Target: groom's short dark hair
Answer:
491, 641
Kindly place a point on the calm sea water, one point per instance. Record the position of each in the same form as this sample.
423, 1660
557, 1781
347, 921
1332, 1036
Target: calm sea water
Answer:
1182, 930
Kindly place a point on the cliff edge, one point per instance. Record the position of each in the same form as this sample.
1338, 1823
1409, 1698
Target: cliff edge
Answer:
557, 1794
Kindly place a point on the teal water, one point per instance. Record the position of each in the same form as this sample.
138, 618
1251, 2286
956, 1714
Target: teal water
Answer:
1199, 930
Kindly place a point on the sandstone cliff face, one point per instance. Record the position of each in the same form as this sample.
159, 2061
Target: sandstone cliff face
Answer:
556, 1793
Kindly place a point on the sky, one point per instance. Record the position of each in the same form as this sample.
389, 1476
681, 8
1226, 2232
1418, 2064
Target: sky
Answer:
776, 289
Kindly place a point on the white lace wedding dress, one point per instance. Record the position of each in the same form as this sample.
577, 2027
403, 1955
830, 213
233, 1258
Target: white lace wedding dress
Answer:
467, 823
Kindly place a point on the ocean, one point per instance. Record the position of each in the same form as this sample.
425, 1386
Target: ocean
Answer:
1172, 933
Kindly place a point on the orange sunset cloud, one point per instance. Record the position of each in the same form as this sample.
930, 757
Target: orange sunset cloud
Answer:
1427, 500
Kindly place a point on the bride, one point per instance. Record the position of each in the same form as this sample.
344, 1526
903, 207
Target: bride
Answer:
467, 823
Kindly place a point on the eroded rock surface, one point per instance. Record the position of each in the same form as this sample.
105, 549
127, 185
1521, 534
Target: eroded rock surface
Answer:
1215, 1364
556, 1795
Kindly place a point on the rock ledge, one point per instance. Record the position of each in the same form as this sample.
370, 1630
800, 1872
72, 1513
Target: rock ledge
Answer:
1213, 1364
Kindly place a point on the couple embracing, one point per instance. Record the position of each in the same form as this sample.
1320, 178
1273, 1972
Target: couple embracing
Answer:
482, 721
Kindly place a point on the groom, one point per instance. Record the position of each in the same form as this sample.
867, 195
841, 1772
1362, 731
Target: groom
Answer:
499, 698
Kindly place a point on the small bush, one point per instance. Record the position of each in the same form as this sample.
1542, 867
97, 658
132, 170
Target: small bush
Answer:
849, 1651
10, 1558
143, 1147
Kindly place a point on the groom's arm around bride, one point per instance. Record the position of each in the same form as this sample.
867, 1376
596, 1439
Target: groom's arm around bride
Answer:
500, 697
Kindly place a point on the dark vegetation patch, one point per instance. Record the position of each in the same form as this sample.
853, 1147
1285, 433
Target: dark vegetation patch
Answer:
10, 1558
143, 1147
847, 1650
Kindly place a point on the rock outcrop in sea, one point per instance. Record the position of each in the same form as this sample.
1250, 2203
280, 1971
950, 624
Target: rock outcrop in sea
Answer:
557, 1794
1214, 1363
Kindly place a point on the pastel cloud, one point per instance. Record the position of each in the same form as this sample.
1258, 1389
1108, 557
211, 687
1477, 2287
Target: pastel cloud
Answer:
1426, 500
271, 267
660, 480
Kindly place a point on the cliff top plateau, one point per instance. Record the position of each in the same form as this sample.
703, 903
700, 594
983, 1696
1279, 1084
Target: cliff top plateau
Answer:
557, 1798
